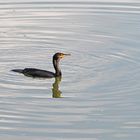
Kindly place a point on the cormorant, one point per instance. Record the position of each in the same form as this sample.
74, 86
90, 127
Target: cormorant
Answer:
33, 72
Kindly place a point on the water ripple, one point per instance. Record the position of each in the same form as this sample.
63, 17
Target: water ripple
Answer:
100, 85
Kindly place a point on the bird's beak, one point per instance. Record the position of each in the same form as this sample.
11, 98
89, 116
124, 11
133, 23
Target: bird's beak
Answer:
64, 54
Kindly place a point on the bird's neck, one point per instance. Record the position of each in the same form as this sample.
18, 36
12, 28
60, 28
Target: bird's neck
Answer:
57, 68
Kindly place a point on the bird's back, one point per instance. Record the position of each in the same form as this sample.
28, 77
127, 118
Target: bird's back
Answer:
38, 73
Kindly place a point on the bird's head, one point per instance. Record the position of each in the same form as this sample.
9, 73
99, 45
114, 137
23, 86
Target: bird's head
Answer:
58, 56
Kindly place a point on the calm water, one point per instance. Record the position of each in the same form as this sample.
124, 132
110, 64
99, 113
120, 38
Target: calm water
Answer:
100, 87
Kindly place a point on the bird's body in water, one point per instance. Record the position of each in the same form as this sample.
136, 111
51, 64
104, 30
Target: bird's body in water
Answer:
33, 72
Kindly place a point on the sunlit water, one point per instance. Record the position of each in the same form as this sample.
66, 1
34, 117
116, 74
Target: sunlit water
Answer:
100, 87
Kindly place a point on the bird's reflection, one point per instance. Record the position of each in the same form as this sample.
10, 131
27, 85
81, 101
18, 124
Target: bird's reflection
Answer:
56, 93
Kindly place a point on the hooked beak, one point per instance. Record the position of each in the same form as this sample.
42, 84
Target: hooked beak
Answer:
64, 54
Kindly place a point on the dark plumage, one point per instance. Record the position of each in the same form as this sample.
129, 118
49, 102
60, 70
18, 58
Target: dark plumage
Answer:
33, 72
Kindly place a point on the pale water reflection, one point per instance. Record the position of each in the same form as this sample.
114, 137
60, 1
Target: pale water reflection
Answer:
101, 80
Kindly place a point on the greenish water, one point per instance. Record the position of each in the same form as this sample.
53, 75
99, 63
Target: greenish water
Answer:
100, 87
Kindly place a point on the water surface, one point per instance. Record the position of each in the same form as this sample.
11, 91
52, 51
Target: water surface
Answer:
100, 86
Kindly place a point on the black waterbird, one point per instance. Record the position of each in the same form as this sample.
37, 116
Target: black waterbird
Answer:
38, 73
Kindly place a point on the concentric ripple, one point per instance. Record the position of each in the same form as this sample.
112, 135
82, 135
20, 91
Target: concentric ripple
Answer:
98, 96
